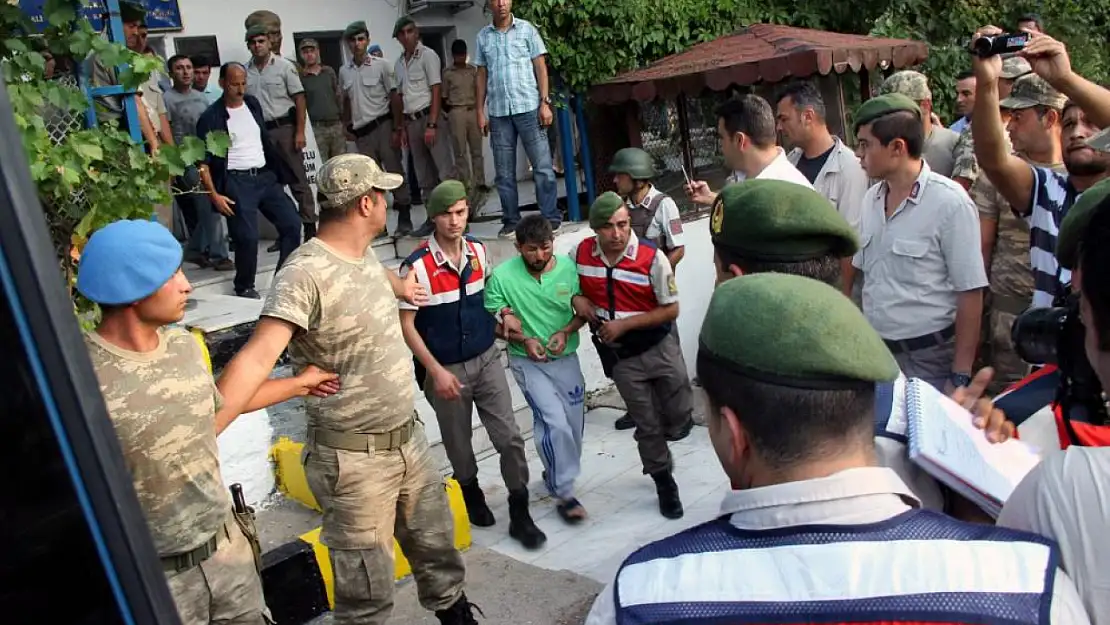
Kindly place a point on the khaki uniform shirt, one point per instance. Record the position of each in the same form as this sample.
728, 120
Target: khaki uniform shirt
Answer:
1067, 498
274, 86
916, 262
347, 322
940, 150
367, 87
163, 407
460, 85
416, 76
842, 181
851, 497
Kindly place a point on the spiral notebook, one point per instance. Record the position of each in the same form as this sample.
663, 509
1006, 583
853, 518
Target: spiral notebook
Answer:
946, 444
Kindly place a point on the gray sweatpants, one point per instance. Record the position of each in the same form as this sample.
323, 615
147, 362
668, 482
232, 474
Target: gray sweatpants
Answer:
556, 392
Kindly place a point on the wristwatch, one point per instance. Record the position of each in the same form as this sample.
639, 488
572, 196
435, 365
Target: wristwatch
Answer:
500, 316
959, 379
546, 100
431, 126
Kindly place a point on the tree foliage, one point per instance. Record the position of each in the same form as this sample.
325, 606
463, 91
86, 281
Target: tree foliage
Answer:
86, 177
591, 41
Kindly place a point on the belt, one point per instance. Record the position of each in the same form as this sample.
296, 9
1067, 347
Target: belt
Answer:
281, 121
461, 107
1009, 304
419, 114
253, 171
350, 441
362, 131
189, 559
921, 342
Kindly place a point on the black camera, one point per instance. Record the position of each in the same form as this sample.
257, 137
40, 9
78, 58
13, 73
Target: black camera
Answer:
993, 45
1055, 336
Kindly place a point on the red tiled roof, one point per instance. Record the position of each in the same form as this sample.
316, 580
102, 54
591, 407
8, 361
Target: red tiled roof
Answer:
759, 53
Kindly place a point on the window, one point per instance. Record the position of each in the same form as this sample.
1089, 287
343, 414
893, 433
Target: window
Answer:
204, 46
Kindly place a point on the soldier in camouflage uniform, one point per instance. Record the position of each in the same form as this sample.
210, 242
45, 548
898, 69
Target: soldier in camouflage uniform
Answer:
1032, 113
939, 141
167, 412
366, 458
965, 170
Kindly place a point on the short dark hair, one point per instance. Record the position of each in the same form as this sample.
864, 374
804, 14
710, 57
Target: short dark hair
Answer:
902, 125
823, 269
751, 115
1030, 17
458, 46
199, 60
535, 230
786, 424
804, 94
964, 75
1094, 263
226, 66
174, 59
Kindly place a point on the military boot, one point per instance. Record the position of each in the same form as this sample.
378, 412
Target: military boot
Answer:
460, 613
670, 505
404, 220
476, 508
521, 526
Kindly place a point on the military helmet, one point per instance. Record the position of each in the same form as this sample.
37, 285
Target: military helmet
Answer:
634, 162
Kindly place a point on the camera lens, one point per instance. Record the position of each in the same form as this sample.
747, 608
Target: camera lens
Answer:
983, 46
1036, 334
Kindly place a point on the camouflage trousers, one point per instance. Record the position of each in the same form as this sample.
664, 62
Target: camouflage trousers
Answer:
1000, 353
368, 498
223, 589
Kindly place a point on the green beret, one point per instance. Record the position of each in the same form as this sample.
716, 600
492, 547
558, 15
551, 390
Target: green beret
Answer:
820, 339
355, 28
876, 107
403, 21
603, 208
256, 30
444, 196
1076, 221
131, 12
775, 220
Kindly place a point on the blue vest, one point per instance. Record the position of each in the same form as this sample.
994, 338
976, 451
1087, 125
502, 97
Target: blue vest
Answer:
893, 571
454, 324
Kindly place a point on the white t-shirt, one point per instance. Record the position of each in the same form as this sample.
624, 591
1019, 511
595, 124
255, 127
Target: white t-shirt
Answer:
246, 140
779, 169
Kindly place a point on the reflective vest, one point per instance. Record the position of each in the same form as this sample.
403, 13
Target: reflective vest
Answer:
895, 571
640, 218
454, 324
622, 291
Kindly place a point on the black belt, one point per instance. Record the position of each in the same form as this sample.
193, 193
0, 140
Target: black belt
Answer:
288, 120
253, 171
463, 107
921, 342
362, 131
419, 114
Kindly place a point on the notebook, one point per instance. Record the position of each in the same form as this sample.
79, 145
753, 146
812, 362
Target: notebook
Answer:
946, 444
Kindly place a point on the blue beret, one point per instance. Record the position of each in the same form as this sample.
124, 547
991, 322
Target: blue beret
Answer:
127, 261
373, 48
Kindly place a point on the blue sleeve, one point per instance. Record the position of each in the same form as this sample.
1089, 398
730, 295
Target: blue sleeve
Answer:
535, 43
479, 51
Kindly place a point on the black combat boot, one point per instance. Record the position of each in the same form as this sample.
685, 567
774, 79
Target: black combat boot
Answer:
476, 508
460, 613
309, 231
404, 220
670, 505
521, 526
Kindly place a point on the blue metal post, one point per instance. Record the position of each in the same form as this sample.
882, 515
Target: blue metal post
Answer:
584, 148
570, 177
130, 110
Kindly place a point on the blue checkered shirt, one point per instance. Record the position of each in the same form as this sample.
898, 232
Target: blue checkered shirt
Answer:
511, 87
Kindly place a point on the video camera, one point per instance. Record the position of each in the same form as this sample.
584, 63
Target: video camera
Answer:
993, 45
1055, 336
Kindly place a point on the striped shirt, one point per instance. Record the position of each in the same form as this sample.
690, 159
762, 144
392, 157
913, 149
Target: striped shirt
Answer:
1053, 196
511, 87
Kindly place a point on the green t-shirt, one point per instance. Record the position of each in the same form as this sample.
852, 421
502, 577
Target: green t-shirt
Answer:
543, 306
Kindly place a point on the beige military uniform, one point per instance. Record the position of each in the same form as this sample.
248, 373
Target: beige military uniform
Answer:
460, 89
163, 406
416, 78
347, 320
367, 88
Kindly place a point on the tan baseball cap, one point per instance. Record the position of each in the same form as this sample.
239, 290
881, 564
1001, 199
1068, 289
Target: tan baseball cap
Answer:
1015, 67
913, 85
1032, 90
309, 43
349, 176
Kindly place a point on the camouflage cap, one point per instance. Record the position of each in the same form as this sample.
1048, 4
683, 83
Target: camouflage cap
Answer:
401, 23
775, 220
256, 30
1100, 140
1032, 90
1076, 222
308, 43
355, 28
822, 340
913, 85
349, 176
444, 196
603, 208
885, 104
1015, 67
